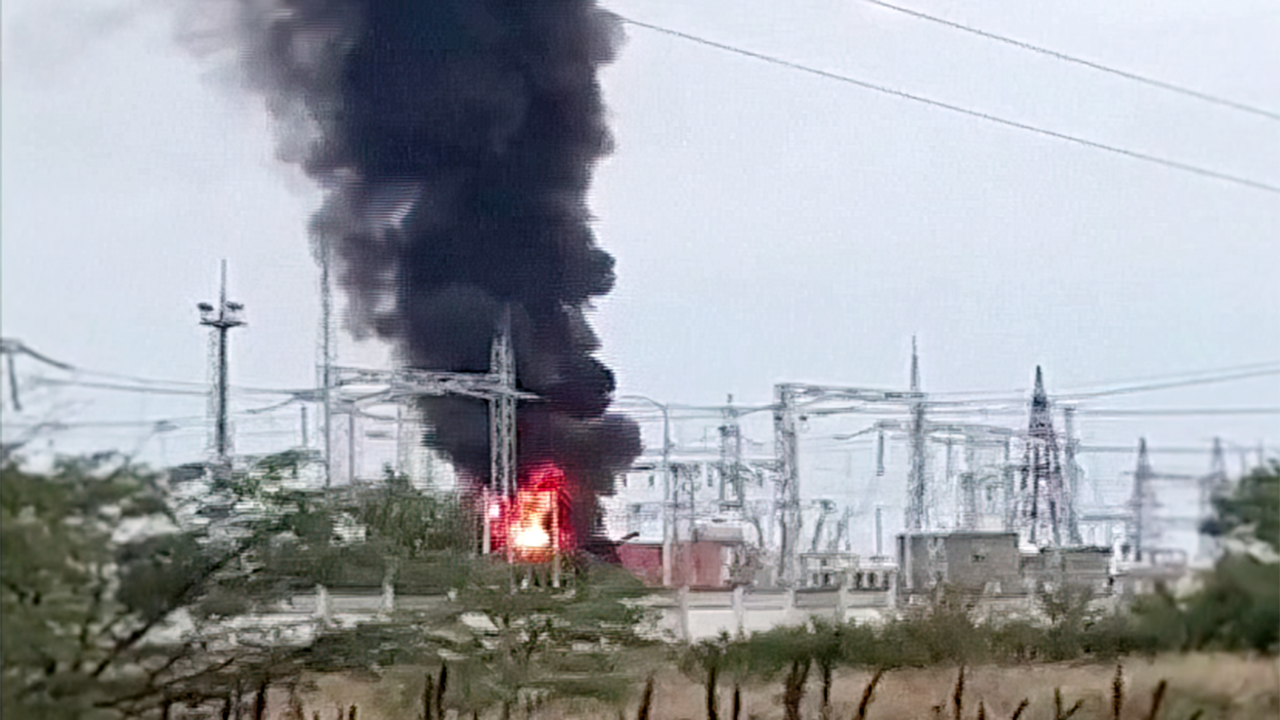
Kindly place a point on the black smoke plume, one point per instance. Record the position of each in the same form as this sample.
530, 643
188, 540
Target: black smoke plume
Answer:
455, 140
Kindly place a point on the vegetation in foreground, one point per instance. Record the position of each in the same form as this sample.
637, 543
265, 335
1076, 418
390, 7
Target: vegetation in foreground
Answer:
117, 605
1205, 686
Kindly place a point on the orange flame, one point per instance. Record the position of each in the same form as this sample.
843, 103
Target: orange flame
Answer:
533, 525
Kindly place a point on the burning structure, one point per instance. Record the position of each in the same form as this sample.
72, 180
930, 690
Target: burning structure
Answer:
455, 141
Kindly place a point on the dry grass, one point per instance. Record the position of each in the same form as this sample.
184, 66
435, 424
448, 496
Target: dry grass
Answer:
1221, 687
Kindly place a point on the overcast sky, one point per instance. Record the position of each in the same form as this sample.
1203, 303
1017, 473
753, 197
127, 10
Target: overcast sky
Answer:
769, 225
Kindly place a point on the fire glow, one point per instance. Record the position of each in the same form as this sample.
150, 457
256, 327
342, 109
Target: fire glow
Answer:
534, 525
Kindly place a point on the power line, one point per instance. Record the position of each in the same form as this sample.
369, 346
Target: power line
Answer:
1129, 449
157, 387
1185, 374
1171, 87
115, 386
1018, 395
1172, 384
1182, 412
12, 346
1122, 412
1155, 159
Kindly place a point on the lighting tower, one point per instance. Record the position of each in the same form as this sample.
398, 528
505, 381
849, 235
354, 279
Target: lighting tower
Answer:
1042, 513
222, 318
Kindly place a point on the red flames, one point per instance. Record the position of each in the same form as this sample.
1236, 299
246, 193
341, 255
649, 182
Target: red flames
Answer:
534, 525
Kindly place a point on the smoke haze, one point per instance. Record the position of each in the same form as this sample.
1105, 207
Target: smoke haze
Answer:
455, 140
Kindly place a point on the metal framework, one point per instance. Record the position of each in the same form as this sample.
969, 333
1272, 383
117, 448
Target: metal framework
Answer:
732, 494
790, 399
1042, 503
502, 410
1140, 528
496, 387
1211, 485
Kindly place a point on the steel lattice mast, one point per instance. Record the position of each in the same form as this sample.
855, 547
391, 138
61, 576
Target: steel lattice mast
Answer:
1042, 505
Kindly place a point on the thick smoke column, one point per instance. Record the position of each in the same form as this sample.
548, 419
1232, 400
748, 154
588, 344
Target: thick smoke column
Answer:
456, 140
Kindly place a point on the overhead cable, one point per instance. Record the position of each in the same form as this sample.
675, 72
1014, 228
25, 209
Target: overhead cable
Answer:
1115, 149
1186, 374
1171, 87
1171, 384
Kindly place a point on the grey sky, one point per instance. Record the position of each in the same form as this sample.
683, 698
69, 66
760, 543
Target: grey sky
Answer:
768, 225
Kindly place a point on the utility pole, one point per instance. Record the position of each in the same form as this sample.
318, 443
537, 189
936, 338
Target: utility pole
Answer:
949, 473
1006, 474
325, 368
351, 444
879, 531
916, 477
668, 488
880, 452
668, 522
226, 316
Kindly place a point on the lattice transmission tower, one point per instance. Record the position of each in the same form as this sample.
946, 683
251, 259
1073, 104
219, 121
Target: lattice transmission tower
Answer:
1043, 515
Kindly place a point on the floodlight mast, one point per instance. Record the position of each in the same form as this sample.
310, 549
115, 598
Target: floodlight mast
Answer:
225, 316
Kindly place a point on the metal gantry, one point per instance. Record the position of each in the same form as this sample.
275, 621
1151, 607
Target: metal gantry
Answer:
496, 387
790, 401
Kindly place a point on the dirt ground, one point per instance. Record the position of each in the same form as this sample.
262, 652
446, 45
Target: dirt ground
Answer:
1224, 687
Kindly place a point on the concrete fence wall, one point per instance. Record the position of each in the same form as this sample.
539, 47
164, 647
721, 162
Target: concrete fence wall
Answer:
683, 614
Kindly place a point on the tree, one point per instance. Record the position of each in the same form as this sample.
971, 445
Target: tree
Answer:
112, 605
1237, 605
512, 637
789, 651
1250, 512
1068, 609
703, 662
118, 602
827, 648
